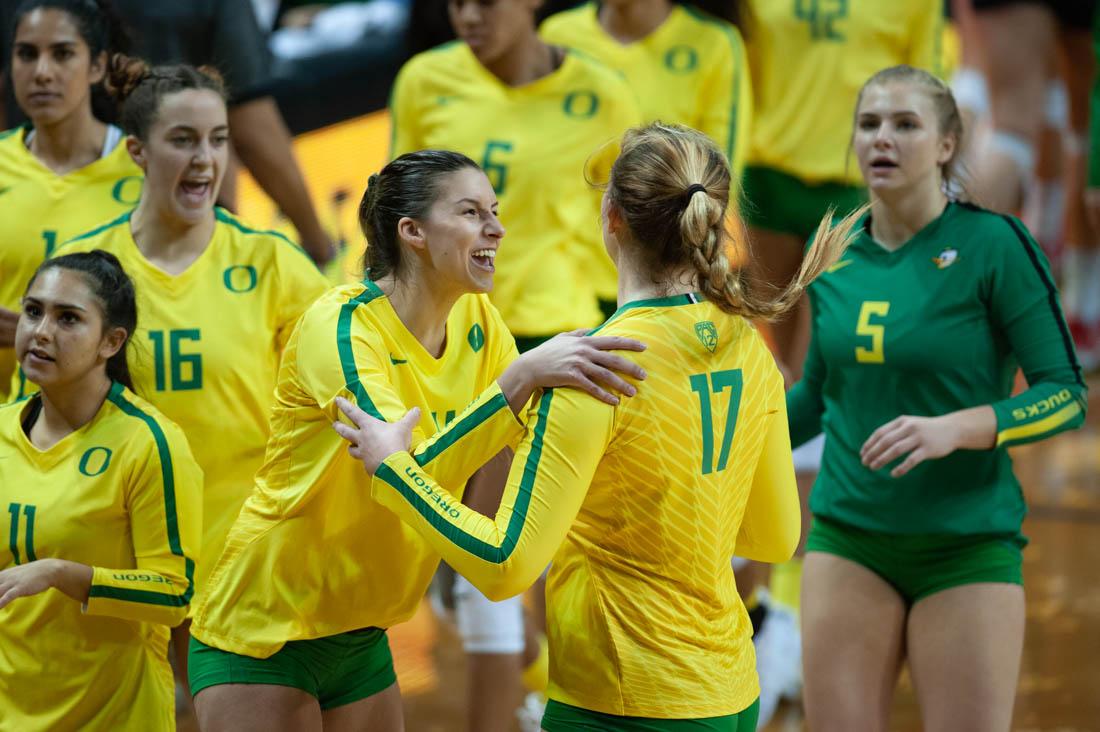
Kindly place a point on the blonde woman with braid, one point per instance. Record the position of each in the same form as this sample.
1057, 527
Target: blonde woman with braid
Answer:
640, 505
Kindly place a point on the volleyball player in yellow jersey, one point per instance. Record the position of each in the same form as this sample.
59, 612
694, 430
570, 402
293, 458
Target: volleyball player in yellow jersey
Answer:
808, 60
289, 633
652, 496
102, 498
66, 172
531, 114
686, 66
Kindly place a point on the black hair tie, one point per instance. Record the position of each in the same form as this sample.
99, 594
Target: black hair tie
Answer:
692, 190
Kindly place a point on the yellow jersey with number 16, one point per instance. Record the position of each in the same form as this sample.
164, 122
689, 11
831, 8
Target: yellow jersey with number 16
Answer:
534, 142
207, 348
40, 209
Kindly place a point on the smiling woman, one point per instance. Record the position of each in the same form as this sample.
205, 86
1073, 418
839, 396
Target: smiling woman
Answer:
65, 172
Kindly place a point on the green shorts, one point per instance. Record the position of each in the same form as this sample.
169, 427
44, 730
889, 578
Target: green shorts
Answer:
337, 670
781, 202
564, 718
920, 565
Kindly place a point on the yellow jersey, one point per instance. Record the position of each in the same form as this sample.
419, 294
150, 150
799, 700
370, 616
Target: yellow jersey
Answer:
651, 499
692, 70
40, 209
207, 348
535, 142
121, 494
310, 556
808, 60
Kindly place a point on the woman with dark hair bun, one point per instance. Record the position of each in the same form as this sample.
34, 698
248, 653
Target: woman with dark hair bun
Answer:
103, 497
65, 171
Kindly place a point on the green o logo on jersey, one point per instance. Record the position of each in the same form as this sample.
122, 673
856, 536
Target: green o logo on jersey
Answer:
94, 461
127, 190
581, 104
476, 338
240, 278
681, 59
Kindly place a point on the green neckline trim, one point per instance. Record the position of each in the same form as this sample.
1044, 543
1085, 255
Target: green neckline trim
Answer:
654, 302
220, 214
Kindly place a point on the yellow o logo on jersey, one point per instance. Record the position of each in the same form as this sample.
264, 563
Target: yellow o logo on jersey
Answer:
581, 104
244, 282
681, 59
91, 459
127, 190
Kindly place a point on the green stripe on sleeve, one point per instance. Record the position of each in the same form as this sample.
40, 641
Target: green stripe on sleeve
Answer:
148, 597
735, 46
347, 354
168, 478
472, 544
466, 424
123, 219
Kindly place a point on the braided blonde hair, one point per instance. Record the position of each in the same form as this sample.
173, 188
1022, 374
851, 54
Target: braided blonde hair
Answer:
656, 182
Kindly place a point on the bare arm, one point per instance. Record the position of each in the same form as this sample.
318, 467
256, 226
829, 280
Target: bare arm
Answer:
264, 144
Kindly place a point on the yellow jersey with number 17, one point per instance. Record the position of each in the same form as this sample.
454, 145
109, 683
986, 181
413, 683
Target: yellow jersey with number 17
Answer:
121, 494
692, 70
640, 506
207, 348
311, 555
40, 209
534, 142
809, 59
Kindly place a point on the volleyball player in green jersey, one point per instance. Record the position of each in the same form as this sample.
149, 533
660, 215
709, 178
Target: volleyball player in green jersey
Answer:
915, 550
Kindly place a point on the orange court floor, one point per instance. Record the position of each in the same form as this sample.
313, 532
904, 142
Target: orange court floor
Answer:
1059, 688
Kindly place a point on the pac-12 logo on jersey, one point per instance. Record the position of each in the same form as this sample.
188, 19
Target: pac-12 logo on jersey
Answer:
947, 258
707, 334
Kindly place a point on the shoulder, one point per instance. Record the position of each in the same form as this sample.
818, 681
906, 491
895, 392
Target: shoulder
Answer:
996, 237
584, 65
99, 237
570, 21
711, 32
426, 63
144, 425
266, 241
12, 138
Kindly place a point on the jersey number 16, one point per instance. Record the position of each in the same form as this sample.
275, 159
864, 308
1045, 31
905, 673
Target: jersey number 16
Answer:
704, 385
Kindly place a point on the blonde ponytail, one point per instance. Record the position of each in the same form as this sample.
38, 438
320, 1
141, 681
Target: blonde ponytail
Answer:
672, 185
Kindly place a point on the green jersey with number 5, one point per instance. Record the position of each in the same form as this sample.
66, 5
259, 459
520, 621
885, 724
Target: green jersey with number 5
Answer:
938, 325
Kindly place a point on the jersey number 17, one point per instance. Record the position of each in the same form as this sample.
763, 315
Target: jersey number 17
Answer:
705, 386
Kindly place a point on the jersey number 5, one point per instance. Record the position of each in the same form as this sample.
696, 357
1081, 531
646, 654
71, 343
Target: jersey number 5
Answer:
704, 385
869, 309
13, 535
176, 360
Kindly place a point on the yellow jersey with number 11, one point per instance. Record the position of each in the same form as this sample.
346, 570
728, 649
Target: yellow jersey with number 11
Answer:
40, 209
534, 142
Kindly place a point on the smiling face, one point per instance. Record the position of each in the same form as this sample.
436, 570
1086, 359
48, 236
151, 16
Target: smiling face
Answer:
61, 337
51, 67
491, 27
457, 241
185, 155
898, 140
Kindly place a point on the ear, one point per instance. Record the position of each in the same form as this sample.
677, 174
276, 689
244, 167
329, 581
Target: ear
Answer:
614, 214
114, 340
97, 69
136, 148
948, 145
410, 232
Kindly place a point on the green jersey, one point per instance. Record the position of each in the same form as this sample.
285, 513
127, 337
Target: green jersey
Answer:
938, 325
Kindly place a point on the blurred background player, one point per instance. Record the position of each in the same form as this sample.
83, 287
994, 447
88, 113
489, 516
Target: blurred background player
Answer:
646, 628
915, 551
685, 66
531, 114
290, 632
66, 171
218, 300
104, 499
224, 34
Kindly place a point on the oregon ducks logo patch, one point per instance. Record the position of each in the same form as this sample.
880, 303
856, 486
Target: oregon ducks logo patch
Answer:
707, 334
95, 461
476, 338
947, 258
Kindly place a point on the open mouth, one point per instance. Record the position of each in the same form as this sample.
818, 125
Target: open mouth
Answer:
195, 191
484, 258
883, 164
38, 355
